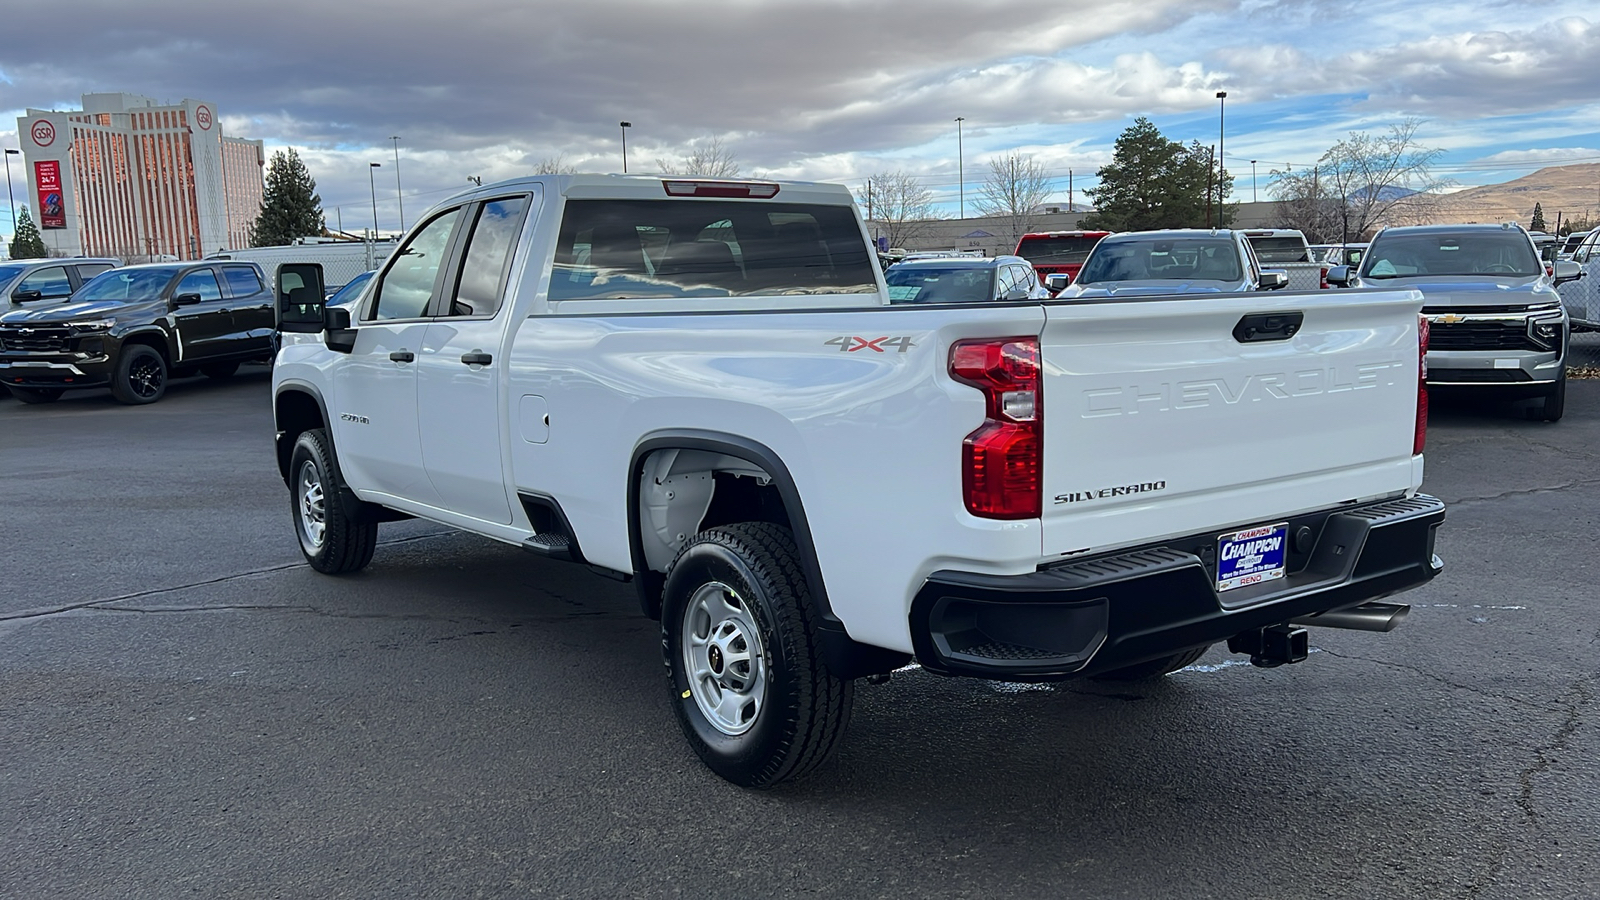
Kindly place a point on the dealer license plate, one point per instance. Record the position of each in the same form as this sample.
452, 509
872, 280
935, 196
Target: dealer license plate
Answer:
1251, 556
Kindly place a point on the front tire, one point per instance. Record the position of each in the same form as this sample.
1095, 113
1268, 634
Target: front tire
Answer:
1554, 404
141, 375
36, 395
333, 541
752, 693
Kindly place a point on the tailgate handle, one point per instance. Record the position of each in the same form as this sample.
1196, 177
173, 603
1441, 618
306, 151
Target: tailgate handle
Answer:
1278, 326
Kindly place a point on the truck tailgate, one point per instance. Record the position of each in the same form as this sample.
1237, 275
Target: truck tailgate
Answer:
1160, 422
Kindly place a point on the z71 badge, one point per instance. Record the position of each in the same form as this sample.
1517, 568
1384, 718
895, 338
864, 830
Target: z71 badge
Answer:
876, 345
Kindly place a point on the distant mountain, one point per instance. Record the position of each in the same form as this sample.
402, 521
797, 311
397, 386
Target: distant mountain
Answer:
1566, 191
1385, 194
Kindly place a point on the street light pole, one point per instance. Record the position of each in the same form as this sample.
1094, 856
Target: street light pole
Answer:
371, 186
1222, 146
1253, 181
397, 197
9, 196
961, 174
625, 127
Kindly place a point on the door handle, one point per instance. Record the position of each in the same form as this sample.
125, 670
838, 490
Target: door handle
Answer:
477, 358
224, 310
402, 356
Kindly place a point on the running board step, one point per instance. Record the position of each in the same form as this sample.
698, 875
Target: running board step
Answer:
554, 546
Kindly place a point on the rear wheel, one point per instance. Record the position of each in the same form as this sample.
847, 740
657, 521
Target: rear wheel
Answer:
36, 395
1152, 669
333, 541
219, 369
141, 375
749, 686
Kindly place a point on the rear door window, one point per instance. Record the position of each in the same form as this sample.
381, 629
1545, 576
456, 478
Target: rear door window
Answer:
664, 249
242, 281
483, 273
87, 271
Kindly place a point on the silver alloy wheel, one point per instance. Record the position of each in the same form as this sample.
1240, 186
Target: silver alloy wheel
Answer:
724, 659
312, 504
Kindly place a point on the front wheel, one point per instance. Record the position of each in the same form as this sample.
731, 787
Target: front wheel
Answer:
141, 375
749, 685
333, 541
36, 395
1554, 404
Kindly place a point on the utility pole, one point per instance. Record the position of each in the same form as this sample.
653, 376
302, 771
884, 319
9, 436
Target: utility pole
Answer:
1069, 192
1210, 171
1222, 144
9, 196
1253, 197
625, 127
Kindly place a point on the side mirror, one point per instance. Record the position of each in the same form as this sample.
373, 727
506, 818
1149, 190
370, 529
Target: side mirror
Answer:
185, 300
1567, 270
1340, 276
26, 296
301, 299
1057, 281
1274, 279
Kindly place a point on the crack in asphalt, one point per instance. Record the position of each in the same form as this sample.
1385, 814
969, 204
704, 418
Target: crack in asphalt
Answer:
1433, 676
1560, 742
1544, 489
103, 602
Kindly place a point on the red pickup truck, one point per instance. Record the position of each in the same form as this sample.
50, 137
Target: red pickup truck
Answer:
1053, 252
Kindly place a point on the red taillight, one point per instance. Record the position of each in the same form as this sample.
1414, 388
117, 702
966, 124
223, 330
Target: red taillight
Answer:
1002, 461
757, 190
1419, 436
1324, 277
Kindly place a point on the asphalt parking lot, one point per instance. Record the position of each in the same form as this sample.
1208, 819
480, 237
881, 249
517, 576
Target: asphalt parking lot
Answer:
187, 710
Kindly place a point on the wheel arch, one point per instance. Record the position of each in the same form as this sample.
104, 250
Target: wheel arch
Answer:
297, 407
846, 657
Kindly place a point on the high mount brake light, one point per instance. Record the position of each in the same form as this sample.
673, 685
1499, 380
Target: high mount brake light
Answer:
758, 190
1002, 461
1419, 435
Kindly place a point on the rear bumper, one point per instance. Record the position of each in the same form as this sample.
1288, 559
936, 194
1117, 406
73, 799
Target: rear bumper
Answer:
1113, 611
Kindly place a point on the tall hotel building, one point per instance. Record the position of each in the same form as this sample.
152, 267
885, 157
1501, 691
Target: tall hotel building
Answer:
127, 177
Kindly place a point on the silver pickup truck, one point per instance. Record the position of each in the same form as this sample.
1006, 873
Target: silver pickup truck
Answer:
1496, 320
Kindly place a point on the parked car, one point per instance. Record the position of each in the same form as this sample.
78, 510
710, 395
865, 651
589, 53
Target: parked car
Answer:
1581, 296
1058, 252
36, 280
1343, 255
1497, 321
1570, 244
132, 328
702, 387
351, 291
1174, 261
1286, 250
969, 279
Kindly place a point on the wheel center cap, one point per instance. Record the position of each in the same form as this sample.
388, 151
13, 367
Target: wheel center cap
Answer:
716, 659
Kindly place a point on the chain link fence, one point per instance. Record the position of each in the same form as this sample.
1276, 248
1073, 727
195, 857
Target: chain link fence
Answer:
1583, 355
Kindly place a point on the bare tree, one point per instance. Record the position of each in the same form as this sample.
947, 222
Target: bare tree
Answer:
555, 165
898, 207
1361, 184
1014, 189
709, 159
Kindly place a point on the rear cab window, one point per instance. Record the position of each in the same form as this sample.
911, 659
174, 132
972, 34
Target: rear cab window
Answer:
242, 281
1056, 250
1287, 249
707, 253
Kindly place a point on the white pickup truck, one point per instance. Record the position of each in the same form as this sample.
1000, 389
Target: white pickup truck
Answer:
704, 387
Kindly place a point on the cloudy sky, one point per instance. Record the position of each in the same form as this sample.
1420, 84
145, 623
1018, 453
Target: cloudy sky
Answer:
828, 90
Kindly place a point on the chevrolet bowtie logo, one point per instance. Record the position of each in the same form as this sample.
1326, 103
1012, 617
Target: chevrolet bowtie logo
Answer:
1448, 319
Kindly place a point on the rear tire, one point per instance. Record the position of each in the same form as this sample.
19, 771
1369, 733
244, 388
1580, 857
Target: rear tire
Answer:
1154, 669
37, 395
141, 375
333, 541
750, 688
219, 370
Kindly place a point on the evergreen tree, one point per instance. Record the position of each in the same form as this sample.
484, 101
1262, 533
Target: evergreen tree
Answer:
290, 207
1153, 182
1538, 218
27, 243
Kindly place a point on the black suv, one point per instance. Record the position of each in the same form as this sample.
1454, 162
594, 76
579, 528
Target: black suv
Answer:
133, 328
